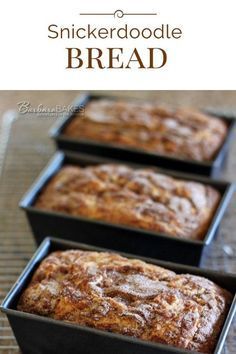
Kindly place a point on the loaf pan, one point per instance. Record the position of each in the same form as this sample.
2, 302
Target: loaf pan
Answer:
212, 168
118, 237
42, 335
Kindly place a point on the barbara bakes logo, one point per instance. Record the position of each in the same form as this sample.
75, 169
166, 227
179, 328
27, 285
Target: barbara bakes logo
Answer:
116, 57
25, 107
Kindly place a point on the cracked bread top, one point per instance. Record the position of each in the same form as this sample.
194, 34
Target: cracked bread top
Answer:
142, 198
128, 296
183, 133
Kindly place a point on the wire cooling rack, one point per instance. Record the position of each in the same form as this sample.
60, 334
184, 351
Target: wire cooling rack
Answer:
24, 150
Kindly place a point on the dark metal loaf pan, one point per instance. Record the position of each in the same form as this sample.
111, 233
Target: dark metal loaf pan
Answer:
212, 168
42, 335
118, 237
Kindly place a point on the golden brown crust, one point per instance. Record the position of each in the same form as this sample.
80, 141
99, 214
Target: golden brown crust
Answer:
182, 133
140, 198
130, 297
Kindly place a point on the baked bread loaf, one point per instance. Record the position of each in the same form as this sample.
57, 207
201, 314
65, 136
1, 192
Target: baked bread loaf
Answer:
141, 198
181, 133
130, 297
